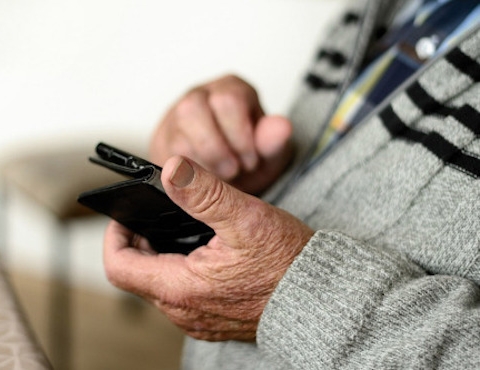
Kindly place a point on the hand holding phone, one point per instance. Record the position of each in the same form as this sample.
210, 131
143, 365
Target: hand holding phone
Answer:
141, 205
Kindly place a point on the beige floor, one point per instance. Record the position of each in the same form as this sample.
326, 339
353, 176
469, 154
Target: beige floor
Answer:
108, 332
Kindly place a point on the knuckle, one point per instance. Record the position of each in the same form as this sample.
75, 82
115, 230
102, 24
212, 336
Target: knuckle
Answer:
229, 79
114, 275
190, 103
233, 80
122, 280
110, 275
227, 100
212, 196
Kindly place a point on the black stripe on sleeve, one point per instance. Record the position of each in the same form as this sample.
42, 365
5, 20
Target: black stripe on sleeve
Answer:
397, 128
336, 58
424, 101
469, 117
316, 82
350, 18
464, 64
434, 142
439, 146
466, 163
466, 115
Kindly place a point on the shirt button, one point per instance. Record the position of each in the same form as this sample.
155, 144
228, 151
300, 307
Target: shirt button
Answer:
426, 47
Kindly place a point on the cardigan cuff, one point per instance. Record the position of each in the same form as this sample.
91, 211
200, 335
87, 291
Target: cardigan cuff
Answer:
325, 299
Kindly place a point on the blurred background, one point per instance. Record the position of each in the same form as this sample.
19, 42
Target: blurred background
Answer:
73, 73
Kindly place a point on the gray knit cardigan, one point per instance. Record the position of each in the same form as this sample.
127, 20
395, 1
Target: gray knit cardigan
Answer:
391, 279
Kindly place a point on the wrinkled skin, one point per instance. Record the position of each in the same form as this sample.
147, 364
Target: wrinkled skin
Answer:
219, 291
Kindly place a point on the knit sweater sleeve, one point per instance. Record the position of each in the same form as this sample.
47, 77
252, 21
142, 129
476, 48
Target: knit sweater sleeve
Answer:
346, 304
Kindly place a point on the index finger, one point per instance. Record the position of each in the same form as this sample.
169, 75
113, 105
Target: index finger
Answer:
236, 109
197, 123
154, 276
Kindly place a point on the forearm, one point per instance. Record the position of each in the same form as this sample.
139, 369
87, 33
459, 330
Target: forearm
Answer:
345, 304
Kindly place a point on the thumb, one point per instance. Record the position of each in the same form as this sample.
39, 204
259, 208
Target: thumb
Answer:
204, 196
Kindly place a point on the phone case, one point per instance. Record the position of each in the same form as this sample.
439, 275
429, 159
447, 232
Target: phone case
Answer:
141, 204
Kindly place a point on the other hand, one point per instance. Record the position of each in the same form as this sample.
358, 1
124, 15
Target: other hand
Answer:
221, 125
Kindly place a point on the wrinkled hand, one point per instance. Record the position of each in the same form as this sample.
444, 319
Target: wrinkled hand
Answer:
221, 125
219, 291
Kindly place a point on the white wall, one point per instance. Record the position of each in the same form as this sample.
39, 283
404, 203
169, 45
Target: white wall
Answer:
80, 70
83, 68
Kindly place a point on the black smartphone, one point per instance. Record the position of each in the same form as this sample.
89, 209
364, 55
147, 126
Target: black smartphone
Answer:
141, 204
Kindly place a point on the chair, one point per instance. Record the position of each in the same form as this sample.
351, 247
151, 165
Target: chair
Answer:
53, 179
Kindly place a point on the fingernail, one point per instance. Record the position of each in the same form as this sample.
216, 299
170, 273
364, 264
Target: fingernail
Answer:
182, 175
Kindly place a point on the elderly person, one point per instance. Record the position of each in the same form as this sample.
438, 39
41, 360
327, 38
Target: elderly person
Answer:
363, 250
